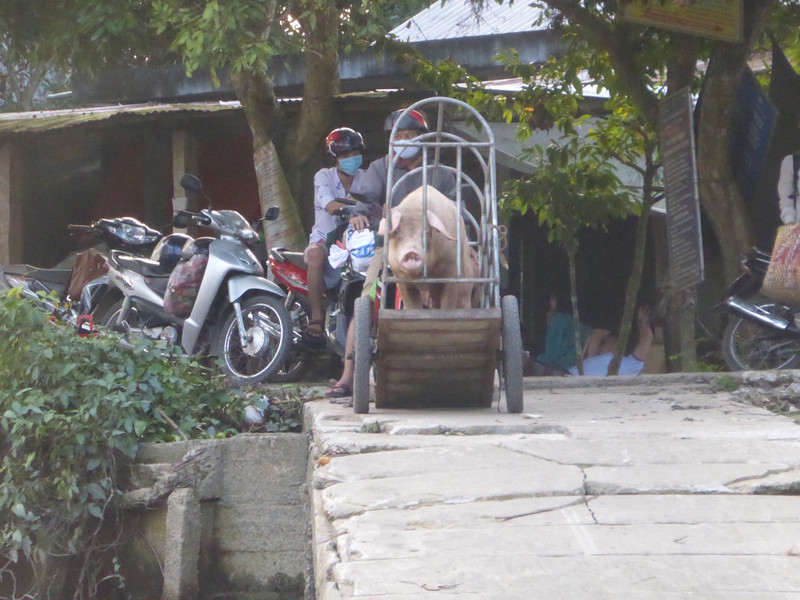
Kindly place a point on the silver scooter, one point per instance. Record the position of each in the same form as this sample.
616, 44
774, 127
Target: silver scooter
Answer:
237, 315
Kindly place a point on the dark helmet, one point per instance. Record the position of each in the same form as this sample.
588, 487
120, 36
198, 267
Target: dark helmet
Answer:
343, 140
168, 251
412, 120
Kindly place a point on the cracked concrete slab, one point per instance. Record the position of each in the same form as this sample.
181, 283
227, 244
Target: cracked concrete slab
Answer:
661, 489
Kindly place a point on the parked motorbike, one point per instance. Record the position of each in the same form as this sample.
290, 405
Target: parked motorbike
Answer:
124, 233
762, 333
288, 270
232, 312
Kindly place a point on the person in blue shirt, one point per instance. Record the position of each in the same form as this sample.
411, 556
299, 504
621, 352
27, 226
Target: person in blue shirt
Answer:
559, 344
601, 344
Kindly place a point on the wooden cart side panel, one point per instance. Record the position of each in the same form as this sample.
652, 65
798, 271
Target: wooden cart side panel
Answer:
437, 357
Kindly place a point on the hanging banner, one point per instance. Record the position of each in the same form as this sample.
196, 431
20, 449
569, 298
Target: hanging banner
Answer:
684, 236
719, 19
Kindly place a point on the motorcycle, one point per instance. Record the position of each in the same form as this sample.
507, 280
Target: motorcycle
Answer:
123, 233
763, 333
207, 294
288, 270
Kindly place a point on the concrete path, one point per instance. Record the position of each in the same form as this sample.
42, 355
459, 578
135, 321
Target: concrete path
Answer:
660, 489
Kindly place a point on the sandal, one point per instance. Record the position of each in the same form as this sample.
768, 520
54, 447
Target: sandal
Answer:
313, 331
339, 390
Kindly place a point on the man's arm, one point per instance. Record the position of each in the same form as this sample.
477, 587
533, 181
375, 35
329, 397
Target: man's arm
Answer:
371, 187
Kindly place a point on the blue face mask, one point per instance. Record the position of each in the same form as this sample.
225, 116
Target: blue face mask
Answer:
350, 165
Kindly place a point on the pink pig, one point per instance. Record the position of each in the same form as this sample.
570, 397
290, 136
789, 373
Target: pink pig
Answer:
407, 259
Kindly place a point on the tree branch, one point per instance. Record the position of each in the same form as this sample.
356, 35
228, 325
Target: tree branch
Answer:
622, 49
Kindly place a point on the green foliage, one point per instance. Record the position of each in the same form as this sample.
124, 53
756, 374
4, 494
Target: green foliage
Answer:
248, 34
727, 383
574, 186
73, 411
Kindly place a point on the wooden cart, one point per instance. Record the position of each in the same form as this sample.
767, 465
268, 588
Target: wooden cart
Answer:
445, 357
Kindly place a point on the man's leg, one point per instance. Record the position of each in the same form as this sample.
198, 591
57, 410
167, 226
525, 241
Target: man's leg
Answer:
371, 276
315, 256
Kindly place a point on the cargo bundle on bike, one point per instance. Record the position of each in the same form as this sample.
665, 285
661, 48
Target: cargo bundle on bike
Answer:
444, 356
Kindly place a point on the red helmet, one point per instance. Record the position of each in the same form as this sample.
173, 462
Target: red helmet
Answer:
412, 120
343, 140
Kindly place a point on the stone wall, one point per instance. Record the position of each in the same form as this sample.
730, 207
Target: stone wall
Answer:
220, 518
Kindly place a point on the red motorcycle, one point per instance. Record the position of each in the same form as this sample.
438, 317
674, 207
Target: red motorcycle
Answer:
288, 270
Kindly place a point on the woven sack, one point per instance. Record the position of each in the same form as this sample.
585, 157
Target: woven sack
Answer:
782, 281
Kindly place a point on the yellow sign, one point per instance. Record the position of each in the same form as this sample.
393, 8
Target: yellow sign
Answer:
721, 19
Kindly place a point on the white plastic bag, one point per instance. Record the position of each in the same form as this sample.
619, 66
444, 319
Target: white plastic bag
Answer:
359, 246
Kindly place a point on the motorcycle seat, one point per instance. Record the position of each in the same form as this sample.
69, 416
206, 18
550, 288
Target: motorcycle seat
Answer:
143, 266
295, 258
51, 276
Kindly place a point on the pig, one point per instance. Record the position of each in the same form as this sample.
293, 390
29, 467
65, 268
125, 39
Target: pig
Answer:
407, 260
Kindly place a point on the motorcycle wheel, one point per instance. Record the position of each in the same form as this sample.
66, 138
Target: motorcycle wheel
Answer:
269, 329
107, 317
295, 365
748, 346
512, 355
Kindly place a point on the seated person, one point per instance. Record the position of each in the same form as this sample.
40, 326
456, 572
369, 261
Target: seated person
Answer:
346, 146
559, 345
600, 345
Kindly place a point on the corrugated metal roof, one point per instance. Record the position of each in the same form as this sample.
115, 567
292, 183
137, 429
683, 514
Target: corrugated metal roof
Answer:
459, 18
38, 121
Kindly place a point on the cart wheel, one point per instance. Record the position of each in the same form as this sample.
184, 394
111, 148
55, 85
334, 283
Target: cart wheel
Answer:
363, 355
512, 355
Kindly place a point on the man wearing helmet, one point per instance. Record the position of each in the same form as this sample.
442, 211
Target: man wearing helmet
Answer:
371, 193
346, 146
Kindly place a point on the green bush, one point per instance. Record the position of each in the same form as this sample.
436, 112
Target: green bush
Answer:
73, 411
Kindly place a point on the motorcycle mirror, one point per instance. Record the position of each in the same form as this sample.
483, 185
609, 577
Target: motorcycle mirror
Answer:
191, 183
272, 213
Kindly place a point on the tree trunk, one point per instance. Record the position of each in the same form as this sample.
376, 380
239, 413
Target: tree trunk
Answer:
305, 144
260, 106
576, 318
635, 278
719, 193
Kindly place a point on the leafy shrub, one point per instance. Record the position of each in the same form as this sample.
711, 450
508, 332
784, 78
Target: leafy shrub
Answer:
72, 413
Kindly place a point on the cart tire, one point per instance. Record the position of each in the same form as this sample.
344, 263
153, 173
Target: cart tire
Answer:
512, 355
362, 355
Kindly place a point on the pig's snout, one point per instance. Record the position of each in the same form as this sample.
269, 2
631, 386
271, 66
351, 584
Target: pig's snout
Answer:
411, 261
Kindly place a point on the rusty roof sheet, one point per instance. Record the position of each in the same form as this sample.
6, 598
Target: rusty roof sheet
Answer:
39, 121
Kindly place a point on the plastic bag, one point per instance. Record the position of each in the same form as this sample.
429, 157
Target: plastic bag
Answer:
184, 285
358, 245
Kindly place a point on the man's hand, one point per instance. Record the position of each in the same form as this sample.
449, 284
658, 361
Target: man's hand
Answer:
359, 222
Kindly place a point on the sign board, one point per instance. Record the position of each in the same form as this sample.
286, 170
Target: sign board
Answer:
684, 236
720, 19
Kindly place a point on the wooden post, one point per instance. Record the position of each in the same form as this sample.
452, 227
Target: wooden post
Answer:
10, 218
184, 160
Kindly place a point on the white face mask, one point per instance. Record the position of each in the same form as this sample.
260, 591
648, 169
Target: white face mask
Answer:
408, 152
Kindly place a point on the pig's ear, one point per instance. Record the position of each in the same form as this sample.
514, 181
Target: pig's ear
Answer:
435, 222
396, 214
